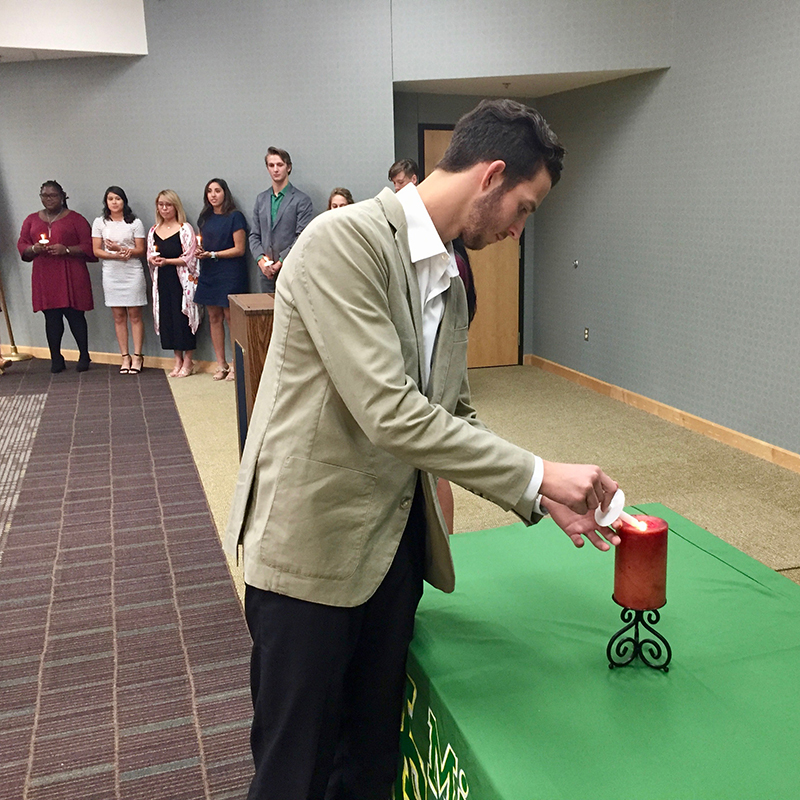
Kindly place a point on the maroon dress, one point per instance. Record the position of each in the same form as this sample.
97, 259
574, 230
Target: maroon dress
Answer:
59, 281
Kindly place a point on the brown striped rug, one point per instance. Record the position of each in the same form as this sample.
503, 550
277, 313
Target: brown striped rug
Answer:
123, 648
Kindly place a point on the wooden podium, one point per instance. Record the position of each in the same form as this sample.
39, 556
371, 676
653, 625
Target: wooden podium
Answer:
251, 331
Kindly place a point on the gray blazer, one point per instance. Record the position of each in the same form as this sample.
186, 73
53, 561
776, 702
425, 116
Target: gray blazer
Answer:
275, 241
340, 430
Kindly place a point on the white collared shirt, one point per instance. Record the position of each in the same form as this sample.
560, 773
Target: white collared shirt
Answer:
435, 265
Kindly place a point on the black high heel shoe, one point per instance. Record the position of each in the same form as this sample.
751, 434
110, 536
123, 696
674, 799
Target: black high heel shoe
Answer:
134, 370
123, 370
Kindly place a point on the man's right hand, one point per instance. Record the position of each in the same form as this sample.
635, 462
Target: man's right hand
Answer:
580, 487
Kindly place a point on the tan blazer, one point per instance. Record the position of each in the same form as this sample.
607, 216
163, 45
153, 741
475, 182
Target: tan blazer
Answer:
340, 429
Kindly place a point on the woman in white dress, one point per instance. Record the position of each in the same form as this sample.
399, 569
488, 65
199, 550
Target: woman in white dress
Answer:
118, 239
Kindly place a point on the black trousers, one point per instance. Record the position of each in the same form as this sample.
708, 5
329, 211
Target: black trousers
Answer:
328, 685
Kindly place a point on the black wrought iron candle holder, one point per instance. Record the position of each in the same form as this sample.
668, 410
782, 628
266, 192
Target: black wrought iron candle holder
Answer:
639, 639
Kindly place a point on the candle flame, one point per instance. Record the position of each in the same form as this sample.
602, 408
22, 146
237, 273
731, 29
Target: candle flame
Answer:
639, 524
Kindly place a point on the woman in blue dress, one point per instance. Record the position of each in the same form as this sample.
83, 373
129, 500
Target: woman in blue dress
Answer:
221, 246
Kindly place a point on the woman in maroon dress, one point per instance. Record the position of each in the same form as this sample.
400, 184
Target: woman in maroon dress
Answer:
59, 243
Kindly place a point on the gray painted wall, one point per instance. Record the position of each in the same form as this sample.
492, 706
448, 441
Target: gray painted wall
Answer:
681, 201
214, 92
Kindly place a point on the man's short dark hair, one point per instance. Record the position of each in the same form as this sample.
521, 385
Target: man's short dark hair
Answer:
504, 130
404, 165
281, 153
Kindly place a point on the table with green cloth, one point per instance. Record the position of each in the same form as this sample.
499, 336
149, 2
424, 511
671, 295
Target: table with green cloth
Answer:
510, 695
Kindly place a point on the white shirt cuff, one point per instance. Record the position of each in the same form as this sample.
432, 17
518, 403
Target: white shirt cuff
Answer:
531, 499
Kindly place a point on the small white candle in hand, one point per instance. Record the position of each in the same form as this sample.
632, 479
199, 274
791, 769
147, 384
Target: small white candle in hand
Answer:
615, 512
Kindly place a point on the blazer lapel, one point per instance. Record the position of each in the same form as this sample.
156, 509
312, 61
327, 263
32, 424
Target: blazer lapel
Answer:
443, 348
397, 219
412, 287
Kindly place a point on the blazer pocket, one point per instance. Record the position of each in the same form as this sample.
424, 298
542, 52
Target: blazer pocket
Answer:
458, 353
461, 334
319, 519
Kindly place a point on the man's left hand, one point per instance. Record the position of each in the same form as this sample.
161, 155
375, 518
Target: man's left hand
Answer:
576, 526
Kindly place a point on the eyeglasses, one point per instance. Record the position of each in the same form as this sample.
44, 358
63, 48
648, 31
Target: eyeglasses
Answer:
46, 195
165, 205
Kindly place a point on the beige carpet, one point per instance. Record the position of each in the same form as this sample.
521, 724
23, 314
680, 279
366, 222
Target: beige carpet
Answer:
744, 500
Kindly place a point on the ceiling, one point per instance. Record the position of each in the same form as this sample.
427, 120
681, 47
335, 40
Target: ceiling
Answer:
515, 85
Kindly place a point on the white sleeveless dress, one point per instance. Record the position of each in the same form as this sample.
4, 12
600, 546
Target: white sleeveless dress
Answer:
123, 281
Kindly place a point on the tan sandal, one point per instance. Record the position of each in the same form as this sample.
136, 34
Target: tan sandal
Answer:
222, 373
231, 375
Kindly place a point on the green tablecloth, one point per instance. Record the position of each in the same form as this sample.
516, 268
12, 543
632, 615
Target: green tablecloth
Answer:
510, 695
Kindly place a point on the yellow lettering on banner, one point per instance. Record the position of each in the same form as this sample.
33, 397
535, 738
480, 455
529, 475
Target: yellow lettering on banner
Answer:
412, 783
439, 777
445, 779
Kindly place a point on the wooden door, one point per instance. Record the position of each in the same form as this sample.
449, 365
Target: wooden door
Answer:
494, 334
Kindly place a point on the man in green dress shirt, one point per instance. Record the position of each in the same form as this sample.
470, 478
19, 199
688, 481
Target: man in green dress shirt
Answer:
279, 217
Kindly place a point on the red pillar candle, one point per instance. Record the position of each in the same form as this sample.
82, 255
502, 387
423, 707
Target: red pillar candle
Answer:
640, 565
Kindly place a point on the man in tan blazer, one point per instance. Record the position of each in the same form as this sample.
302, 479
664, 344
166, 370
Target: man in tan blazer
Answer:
363, 401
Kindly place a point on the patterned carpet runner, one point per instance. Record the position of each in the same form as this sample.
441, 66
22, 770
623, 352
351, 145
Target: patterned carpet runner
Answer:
124, 655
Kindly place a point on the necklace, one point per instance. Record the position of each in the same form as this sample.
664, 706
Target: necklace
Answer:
50, 221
